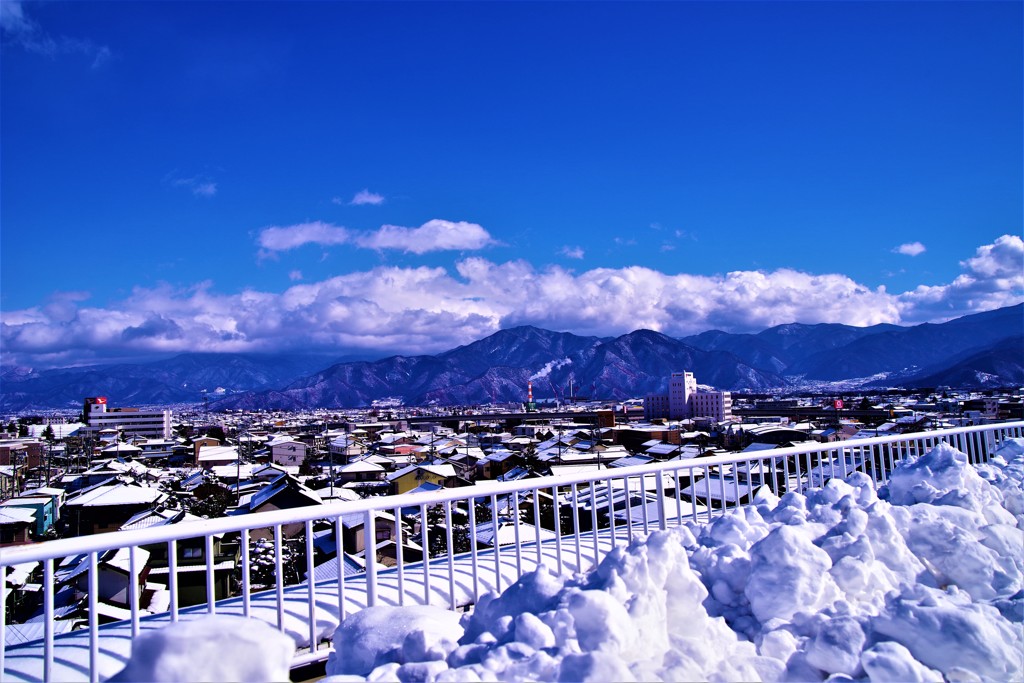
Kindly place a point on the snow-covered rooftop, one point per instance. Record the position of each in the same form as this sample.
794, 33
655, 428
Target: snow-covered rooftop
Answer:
116, 494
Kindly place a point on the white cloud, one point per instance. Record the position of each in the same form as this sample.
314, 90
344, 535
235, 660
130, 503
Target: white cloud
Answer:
909, 249
364, 197
200, 186
427, 310
992, 278
21, 30
277, 238
13, 19
295, 275
434, 235
204, 189
572, 252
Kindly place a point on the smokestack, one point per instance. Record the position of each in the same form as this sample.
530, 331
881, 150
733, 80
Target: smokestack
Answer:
529, 392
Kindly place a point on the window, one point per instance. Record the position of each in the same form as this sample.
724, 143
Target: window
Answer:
192, 553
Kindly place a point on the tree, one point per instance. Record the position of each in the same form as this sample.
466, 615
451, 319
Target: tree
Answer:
210, 500
216, 432
308, 466
262, 561
48, 434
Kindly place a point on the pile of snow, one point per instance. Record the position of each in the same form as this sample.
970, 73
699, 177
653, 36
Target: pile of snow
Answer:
215, 648
919, 582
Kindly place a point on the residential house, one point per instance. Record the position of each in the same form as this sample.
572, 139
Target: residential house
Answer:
360, 471
287, 450
45, 509
202, 442
345, 447
209, 457
113, 576
16, 525
120, 450
410, 477
284, 493
105, 507
497, 463
9, 482
353, 529
156, 449
191, 564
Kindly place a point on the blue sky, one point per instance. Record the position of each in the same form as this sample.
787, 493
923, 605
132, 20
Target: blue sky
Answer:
374, 178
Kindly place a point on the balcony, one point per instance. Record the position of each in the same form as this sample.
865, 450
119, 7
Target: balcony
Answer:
565, 523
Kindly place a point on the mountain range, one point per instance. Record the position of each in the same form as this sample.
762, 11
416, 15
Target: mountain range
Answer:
984, 350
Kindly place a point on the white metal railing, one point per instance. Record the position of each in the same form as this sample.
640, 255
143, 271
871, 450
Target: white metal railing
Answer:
590, 506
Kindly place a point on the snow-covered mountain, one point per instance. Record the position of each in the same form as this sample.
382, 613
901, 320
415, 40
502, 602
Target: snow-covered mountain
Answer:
977, 351
497, 369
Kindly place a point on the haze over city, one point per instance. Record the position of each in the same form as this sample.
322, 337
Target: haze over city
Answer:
404, 178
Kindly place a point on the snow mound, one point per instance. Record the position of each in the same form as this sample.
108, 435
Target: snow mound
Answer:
379, 636
921, 581
1005, 471
212, 648
943, 477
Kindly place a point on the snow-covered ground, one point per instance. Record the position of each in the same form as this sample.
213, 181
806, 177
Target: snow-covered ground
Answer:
919, 582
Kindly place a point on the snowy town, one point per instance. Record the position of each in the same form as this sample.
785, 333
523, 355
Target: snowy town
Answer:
116, 469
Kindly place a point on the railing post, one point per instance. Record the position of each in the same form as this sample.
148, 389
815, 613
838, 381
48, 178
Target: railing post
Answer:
211, 598
370, 556
172, 577
519, 545
556, 520
48, 587
496, 546
645, 514
3, 615
576, 526
679, 497
279, 574
339, 547
474, 557
593, 520
611, 512
536, 524
311, 586
399, 555
246, 575
451, 553
94, 644
133, 587
425, 538
659, 487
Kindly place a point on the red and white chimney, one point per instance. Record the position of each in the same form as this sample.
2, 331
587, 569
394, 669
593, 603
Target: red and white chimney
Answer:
529, 392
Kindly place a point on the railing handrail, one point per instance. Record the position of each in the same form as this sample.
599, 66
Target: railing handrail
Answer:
65, 547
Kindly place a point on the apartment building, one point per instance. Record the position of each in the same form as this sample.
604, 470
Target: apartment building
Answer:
148, 424
685, 401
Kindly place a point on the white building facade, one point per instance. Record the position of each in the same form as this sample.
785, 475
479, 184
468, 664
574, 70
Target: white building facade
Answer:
684, 401
716, 405
149, 424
